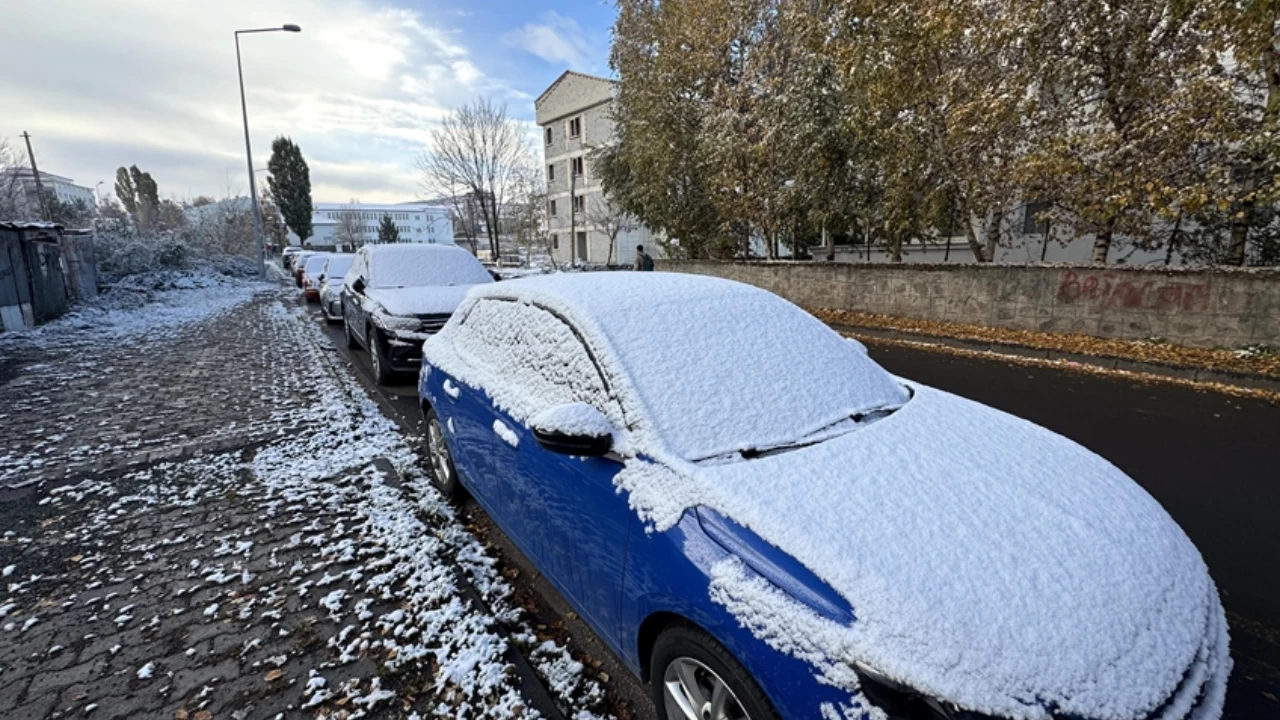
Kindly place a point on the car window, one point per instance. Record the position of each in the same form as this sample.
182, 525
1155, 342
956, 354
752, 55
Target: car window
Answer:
530, 357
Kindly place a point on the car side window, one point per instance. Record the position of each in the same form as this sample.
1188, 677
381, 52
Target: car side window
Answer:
532, 359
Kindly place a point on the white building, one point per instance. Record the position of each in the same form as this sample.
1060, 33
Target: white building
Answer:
575, 115
417, 222
59, 186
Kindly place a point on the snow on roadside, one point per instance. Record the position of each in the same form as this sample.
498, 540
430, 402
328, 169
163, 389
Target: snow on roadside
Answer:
143, 308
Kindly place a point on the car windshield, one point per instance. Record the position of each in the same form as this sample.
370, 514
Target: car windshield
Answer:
745, 371
315, 264
337, 267
425, 265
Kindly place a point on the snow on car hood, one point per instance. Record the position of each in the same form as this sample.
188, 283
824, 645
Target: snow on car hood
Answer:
988, 561
424, 300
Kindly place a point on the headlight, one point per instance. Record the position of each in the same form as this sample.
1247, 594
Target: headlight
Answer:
903, 703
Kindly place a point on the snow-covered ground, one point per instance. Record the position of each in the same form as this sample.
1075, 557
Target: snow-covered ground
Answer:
336, 580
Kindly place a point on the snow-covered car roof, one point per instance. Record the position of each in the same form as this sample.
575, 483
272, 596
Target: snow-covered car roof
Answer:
717, 366
416, 265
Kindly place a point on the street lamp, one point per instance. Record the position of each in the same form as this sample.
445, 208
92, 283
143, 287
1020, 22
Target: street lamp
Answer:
248, 151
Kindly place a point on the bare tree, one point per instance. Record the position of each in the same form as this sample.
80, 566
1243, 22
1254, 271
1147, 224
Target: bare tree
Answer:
608, 218
477, 150
527, 209
349, 231
12, 199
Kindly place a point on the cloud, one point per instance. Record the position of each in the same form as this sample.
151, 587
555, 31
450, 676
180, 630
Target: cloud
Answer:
557, 39
154, 83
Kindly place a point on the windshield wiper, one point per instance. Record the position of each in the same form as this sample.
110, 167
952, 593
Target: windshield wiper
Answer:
820, 435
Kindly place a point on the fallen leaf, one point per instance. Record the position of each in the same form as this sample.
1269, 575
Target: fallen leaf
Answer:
180, 715
274, 675
204, 715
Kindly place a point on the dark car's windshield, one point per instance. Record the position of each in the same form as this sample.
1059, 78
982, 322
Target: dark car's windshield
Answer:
425, 265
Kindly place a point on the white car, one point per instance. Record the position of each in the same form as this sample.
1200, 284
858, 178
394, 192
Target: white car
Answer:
311, 271
331, 285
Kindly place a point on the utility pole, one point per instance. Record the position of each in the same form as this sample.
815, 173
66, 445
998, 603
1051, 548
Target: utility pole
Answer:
35, 173
248, 151
573, 218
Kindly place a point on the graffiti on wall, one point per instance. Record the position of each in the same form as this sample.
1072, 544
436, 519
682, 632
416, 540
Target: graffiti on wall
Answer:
1108, 290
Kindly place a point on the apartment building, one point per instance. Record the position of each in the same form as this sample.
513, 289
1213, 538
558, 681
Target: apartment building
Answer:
575, 115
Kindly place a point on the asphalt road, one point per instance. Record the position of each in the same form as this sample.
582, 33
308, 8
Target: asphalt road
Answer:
1211, 460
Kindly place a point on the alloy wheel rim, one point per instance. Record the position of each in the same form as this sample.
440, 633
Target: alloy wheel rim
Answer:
439, 451
693, 691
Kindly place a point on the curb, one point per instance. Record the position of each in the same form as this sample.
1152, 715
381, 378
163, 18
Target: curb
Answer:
1250, 381
531, 686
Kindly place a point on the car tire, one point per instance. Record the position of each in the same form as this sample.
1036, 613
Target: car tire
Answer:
685, 669
352, 342
444, 475
382, 374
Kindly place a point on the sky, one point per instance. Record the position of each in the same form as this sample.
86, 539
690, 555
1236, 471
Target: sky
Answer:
105, 83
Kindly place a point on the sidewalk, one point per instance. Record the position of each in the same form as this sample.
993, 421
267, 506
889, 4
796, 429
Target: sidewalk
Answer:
204, 517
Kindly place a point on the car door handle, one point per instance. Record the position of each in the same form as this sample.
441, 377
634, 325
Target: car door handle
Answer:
508, 435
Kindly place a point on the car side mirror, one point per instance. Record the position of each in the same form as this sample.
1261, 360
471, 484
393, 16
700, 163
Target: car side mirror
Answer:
573, 429
357, 286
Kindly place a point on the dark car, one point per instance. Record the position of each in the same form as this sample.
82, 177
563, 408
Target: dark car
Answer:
396, 296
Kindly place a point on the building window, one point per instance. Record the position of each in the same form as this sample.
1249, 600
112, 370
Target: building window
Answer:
548, 136
1032, 222
555, 239
553, 207
582, 246
578, 166
575, 127
580, 203
551, 172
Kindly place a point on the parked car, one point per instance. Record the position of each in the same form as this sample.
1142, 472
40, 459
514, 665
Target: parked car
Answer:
396, 296
286, 256
331, 285
300, 262
763, 523
311, 271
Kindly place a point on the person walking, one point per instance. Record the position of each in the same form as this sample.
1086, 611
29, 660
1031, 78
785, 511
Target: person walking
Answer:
643, 261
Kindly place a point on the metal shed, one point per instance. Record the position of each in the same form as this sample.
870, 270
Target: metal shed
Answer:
33, 285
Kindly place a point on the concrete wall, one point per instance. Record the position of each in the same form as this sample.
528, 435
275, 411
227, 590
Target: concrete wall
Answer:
1206, 308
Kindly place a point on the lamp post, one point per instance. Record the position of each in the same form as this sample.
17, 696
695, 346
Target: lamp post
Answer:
248, 151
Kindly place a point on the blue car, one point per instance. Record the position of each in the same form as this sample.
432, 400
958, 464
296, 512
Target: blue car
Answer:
763, 523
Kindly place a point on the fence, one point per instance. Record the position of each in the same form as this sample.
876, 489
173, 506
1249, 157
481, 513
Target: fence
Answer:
1217, 307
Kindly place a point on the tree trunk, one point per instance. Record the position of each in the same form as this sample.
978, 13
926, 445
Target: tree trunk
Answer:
828, 242
1173, 241
897, 247
1239, 233
1102, 243
971, 236
993, 236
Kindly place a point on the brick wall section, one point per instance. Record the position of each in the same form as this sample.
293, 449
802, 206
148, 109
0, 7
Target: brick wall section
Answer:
1196, 307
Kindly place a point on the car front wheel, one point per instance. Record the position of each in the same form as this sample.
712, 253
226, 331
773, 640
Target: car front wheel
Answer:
381, 370
352, 343
693, 677
443, 473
